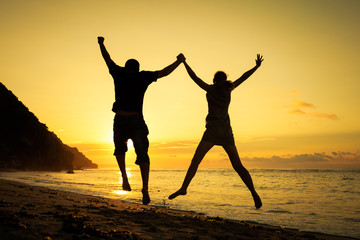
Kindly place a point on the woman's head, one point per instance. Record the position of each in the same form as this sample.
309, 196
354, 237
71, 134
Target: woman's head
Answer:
220, 77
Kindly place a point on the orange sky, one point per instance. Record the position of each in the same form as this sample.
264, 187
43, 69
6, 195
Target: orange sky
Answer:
299, 110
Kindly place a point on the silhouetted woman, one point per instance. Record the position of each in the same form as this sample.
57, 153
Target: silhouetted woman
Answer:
218, 129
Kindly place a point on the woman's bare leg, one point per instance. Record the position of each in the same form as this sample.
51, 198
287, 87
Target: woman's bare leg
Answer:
243, 173
200, 152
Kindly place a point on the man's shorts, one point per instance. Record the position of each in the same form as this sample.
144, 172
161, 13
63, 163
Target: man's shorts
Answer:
219, 132
134, 128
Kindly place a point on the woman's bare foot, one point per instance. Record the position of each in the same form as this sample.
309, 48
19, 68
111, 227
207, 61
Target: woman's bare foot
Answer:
126, 186
146, 197
257, 201
177, 193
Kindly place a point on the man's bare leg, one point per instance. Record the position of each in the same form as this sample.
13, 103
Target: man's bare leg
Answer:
243, 173
145, 169
200, 152
125, 182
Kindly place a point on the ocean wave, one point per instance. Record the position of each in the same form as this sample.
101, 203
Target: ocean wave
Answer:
279, 211
353, 219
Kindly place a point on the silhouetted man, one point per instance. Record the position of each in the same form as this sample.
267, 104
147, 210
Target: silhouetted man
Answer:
130, 87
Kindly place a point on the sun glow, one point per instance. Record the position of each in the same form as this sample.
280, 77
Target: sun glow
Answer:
130, 145
129, 175
120, 192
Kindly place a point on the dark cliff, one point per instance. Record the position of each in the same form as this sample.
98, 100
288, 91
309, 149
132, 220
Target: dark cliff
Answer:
27, 144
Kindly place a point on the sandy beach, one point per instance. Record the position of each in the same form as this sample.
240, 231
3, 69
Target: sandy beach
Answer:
28, 212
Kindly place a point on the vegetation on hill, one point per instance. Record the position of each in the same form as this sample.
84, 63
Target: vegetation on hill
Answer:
27, 144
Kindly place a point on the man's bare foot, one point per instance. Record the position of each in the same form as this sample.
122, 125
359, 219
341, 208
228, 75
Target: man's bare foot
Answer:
177, 193
146, 197
257, 201
126, 186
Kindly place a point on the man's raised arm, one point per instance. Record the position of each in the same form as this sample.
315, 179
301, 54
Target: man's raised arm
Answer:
169, 69
104, 52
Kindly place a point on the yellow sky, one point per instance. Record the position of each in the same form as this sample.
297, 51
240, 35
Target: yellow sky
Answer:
303, 100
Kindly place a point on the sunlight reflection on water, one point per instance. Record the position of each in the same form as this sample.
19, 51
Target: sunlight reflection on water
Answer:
120, 192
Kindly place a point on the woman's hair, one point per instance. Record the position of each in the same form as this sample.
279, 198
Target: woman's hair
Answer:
221, 78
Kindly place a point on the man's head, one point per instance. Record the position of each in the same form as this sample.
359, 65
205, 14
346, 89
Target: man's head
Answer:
132, 65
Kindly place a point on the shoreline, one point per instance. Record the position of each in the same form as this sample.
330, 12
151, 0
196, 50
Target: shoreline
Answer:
29, 212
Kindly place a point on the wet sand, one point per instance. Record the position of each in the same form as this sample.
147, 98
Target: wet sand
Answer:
28, 212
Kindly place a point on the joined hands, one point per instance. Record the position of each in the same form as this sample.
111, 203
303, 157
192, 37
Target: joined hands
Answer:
181, 57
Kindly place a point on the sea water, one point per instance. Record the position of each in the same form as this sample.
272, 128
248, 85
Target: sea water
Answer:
326, 201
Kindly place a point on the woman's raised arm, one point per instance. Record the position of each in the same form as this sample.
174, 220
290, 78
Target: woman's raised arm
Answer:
196, 79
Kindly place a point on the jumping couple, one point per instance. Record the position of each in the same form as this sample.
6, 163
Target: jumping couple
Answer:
130, 86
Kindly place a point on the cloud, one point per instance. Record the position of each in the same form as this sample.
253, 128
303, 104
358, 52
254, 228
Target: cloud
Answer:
330, 116
294, 91
297, 111
318, 160
314, 160
246, 139
298, 107
302, 104
174, 144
